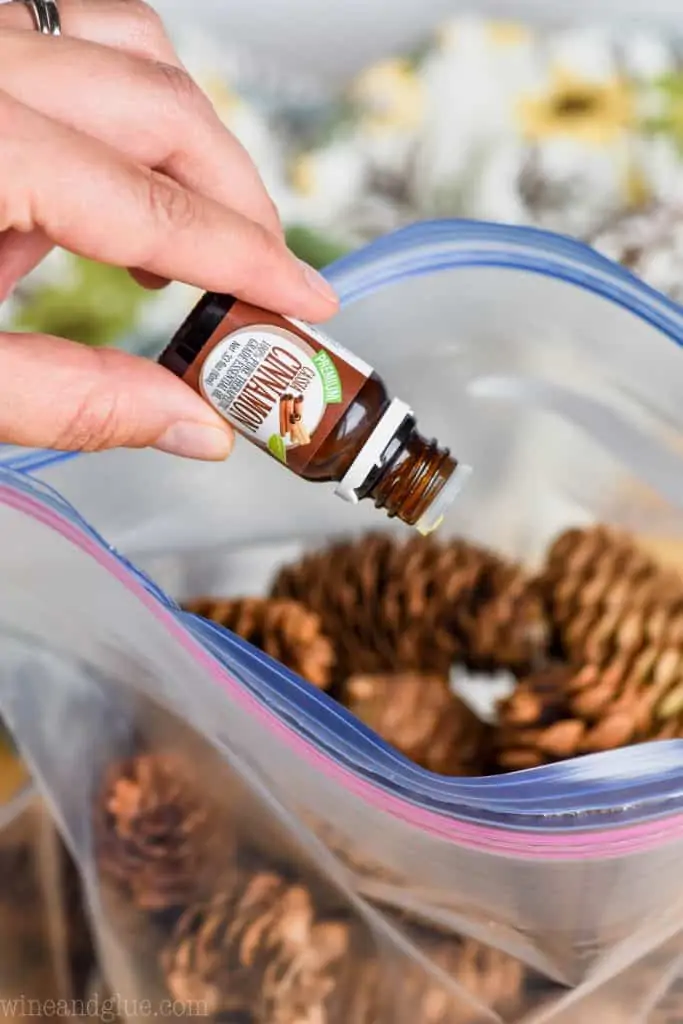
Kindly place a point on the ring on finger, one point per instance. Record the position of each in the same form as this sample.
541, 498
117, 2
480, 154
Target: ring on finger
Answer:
45, 15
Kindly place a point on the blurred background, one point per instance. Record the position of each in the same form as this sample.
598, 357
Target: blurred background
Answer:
564, 116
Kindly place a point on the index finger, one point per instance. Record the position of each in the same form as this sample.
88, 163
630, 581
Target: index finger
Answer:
129, 25
87, 198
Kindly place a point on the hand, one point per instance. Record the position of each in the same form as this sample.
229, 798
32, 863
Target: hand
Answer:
112, 152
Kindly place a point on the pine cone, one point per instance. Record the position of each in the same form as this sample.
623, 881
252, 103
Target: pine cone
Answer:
563, 712
610, 598
420, 717
489, 976
260, 950
620, 622
535, 724
285, 630
418, 606
152, 829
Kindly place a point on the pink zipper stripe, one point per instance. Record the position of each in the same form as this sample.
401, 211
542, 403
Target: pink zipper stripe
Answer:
578, 845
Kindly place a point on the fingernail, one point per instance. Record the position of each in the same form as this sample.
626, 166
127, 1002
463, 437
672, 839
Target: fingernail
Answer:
318, 284
195, 441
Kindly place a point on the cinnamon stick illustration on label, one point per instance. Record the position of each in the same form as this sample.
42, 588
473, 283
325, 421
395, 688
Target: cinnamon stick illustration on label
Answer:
286, 410
300, 435
297, 412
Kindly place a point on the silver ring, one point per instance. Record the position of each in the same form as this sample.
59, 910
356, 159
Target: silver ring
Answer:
46, 16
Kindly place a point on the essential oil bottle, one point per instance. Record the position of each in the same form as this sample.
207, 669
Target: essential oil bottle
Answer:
317, 408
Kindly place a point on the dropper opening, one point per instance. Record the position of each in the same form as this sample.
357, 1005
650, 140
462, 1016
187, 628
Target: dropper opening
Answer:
434, 516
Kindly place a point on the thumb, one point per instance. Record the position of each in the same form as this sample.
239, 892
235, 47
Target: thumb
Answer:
56, 394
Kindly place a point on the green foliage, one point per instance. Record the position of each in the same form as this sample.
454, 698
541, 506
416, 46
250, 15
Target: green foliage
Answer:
314, 247
670, 121
96, 305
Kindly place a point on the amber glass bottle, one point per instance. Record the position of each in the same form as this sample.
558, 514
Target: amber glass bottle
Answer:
317, 408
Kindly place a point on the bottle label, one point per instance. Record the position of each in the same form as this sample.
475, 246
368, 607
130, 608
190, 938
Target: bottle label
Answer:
278, 381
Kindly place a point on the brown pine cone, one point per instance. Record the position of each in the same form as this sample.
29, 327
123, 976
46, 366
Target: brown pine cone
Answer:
535, 724
609, 598
152, 831
285, 630
421, 718
619, 619
563, 712
420, 605
489, 976
260, 950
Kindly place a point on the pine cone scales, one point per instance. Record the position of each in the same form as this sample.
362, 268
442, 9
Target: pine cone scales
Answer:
420, 606
261, 951
489, 976
619, 619
285, 630
609, 597
420, 717
151, 832
535, 725
263, 954
563, 712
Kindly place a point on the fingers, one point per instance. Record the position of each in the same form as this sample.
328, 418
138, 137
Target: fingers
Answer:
123, 24
149, 281
87, 198
152, 112
19, 254
56, 394
127, 25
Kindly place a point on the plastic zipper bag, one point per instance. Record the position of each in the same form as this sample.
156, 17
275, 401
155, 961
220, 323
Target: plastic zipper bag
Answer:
44, 939
251, 848
554, 373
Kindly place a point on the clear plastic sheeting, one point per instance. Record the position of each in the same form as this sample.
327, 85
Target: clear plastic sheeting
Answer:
41, 951
251, 851
301, 859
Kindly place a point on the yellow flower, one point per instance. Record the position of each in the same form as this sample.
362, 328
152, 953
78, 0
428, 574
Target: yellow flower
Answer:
508, 33
302, 174
390, 96
589, 111
636, 187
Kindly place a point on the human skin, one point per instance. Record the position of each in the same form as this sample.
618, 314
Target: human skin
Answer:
109, 150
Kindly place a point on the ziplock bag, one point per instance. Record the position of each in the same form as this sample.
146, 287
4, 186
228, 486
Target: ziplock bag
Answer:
312, 870
44, 940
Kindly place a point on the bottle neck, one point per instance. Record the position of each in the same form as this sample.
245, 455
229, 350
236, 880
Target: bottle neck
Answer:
194, 333
413, 473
